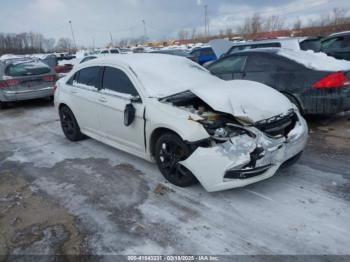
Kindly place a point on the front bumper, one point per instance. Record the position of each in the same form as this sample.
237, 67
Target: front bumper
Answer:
235, 163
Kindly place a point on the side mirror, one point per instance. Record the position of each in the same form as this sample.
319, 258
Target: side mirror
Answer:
135, 99
129, 114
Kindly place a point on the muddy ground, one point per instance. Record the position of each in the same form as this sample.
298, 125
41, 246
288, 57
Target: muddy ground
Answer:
58, 197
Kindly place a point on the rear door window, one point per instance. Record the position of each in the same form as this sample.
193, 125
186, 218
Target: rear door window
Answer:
346, 42
27, 69
270, 63
332, 43
228, 65
116, 80
89, 77
260, 63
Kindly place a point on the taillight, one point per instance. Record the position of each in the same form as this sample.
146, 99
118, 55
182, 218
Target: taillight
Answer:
49, 78
54, 88
337, 79
9, 82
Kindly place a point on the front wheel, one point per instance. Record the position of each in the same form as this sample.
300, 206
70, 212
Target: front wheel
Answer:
169, 151
69, 124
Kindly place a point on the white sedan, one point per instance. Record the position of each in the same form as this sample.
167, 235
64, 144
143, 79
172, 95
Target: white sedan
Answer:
171, 111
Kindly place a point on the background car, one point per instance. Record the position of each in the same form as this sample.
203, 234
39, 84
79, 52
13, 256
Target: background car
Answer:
337, 45
87, 58
109, 51
316, 83
294, 43
203, 55
25, 79
177, 52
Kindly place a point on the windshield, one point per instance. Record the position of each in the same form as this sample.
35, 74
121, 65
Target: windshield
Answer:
27, 69
166, 75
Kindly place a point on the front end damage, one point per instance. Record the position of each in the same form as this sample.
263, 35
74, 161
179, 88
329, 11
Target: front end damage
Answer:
239, 153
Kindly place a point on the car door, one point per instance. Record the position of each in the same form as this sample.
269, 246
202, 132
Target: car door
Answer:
83, 95
114, 96
260, 68
229, 68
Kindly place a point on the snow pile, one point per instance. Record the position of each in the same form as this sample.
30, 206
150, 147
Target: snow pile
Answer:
10, 56
316, 61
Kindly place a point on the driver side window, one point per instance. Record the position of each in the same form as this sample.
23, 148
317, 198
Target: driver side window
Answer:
116, 80
228, 65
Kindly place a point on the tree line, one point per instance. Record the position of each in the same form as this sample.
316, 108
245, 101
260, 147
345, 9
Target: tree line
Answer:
30, 43
254, 25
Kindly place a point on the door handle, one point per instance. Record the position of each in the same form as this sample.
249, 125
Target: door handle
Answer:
102, 100
73, 91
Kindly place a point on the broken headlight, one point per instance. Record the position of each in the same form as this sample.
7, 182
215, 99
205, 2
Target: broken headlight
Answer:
226, 131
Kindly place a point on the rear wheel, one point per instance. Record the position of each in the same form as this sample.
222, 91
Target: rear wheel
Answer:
169, 151
69, 124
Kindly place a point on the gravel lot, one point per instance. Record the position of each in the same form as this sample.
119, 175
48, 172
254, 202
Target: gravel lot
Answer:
59, 197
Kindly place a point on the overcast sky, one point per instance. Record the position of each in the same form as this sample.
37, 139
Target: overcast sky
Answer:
164, 18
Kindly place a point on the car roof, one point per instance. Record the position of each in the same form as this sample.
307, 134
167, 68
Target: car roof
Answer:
270, 50
267, 41
340, 33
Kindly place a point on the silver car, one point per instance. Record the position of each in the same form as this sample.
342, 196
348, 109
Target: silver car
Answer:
25, 79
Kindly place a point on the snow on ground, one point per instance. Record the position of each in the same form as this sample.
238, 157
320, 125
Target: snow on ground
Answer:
119, 208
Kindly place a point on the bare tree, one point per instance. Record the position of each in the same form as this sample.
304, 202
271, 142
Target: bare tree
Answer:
297, 24
64, 45
273, 23
229, 32
338, 16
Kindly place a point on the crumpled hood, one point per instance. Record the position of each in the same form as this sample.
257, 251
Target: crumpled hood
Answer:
247, 100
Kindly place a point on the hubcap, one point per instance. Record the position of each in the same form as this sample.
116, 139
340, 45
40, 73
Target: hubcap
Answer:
170, 155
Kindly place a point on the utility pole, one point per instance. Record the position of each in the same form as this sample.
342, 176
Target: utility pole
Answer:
144, 30
110, 34
71, 28
205, 20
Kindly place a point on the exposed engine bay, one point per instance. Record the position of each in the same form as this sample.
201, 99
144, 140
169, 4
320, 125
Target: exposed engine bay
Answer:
220, 126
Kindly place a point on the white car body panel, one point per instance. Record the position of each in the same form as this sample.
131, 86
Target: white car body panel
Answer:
235, 154
100, 116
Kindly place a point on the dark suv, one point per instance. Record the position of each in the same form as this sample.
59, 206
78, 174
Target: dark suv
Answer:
337, 45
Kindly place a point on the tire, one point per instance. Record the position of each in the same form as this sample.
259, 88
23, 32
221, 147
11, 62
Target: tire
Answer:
70, 125
169, 150
295, 102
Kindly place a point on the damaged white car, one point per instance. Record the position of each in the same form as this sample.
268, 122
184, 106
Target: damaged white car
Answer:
195, 126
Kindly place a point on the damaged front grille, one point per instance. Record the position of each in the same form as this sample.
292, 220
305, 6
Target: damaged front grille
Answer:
279, 125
